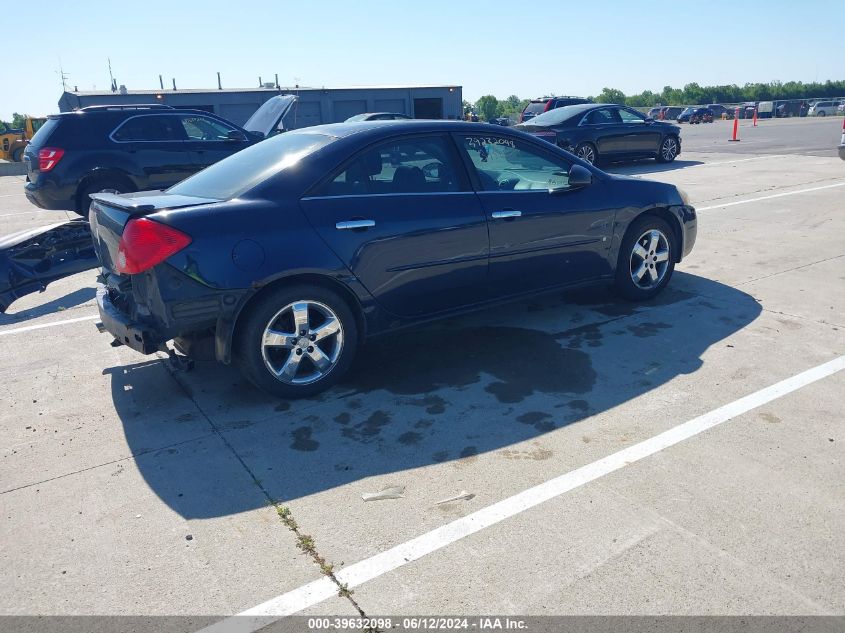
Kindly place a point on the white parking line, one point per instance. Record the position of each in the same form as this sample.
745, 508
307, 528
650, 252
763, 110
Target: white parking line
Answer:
29, 328
737, 160
355, 575
776, 195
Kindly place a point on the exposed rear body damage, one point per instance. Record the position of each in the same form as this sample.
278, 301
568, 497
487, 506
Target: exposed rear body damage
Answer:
31, 259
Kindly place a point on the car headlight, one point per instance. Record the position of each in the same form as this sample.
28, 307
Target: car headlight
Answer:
684, 196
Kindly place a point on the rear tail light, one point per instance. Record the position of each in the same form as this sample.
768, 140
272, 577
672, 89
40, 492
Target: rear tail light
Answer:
146, 243
49, 157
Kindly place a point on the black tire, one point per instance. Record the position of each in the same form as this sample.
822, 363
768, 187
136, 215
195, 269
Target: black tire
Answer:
99, 186
669, 148
628, 261
821, 113
253, 357
17, 155
587, 152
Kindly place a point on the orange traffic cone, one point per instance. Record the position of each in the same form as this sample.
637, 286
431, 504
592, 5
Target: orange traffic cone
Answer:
755, 117
736, 126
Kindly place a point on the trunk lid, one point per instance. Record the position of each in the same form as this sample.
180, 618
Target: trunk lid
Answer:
110, 213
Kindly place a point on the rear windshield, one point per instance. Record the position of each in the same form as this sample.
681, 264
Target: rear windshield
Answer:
240, 172
558, 115
535, 107
40, 138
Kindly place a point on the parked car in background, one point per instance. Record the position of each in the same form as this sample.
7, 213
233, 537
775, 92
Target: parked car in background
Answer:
379, 116
595, 132
701, 115
671, 113
132, 148
290, 300
538, 106
822, 108
654, 113
684, 116
718, 110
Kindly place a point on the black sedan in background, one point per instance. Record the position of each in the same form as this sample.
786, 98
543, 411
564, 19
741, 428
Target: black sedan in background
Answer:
595, 132
290, 253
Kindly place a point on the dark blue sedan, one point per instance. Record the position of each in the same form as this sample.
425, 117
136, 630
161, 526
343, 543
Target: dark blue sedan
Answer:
286, 256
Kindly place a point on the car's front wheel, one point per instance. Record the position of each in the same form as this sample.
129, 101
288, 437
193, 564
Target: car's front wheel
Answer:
587, 152
646, 259
668, 150
296, 341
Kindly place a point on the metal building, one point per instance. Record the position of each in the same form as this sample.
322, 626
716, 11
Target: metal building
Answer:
315, 105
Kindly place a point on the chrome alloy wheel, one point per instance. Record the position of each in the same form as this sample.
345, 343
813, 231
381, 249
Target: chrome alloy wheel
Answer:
669, 149
586, 153
302, 342
649, 259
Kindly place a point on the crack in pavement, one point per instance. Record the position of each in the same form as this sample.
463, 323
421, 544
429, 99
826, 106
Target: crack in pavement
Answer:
108, 463
303, 541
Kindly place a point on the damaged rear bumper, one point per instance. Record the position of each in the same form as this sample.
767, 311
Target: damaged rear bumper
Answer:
31, 259
123, 328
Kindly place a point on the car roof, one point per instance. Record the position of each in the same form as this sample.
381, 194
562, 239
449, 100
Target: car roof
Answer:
349, 128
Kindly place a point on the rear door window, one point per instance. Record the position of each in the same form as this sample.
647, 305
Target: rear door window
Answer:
414, 165
601, 117
150, 128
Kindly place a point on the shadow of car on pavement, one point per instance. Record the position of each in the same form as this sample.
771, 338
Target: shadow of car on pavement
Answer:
449, 391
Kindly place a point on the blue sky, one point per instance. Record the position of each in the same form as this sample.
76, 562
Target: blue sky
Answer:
491, 47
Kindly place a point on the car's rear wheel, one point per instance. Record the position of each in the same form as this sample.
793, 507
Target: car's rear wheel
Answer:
646, 259
668, 150
587, 152
296, 341
821, 113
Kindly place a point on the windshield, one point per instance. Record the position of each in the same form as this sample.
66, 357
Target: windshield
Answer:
240, 172
558, 115
357, 117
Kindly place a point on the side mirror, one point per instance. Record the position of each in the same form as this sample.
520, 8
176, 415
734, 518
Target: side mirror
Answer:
579, 176
235, 135
648, 119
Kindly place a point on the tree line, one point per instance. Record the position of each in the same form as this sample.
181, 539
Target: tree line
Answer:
15, 124
489, 107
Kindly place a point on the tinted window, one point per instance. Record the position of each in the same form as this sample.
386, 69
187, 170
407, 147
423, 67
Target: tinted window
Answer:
535, 107
628, 116
200, 128
506, 164
415, 165
599, 117
559, 115
43, 134
240, 172
150, 128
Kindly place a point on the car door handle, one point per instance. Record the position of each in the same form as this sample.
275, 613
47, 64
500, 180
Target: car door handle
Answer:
507, 213
354, 224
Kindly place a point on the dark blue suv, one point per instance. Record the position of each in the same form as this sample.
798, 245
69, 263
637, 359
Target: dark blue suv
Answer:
123, 149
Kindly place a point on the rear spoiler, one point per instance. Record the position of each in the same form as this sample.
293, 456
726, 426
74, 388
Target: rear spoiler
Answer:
126, 203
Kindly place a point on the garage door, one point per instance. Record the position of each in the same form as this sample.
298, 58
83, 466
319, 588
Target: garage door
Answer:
345, 109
